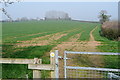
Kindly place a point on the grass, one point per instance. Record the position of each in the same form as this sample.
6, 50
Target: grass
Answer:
0, 70
19, 71
85, 34
112, 62
16, 31
28, 52
22, 31
108, 46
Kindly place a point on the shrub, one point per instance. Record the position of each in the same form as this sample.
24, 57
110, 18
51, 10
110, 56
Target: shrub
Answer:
110, 30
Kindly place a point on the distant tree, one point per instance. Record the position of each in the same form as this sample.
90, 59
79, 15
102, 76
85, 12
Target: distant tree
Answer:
56, 15
103, 16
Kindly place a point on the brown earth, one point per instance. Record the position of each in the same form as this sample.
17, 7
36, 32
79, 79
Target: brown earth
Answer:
44, 40
74, 38
83, 46
39, 41
73, 44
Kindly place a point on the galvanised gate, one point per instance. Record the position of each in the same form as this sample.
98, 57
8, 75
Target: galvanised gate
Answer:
88, 72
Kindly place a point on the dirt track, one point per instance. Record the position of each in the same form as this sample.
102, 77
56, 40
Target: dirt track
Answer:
72, 44
83, 46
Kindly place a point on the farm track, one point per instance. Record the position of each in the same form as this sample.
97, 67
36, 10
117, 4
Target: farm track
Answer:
72, 44
83, 46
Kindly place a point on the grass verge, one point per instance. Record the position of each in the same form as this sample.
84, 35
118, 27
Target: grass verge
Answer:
108, 46
20, 71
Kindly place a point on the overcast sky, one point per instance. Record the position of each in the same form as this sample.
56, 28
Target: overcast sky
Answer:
88, 11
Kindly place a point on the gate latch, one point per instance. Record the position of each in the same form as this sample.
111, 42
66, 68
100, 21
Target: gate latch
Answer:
60, 57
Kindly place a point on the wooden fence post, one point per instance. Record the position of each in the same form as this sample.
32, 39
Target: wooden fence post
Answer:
54, 61
37, 73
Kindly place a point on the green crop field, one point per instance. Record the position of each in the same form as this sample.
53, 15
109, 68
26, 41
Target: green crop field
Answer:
50, 33
20, 30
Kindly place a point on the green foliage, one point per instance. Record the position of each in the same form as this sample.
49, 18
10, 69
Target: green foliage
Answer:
103, 16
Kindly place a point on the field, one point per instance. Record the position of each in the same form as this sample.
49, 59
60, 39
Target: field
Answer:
37, 38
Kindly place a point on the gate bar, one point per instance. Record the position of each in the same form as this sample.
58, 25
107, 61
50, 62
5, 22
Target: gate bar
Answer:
91, 68
56, 64
95, 53
65, 64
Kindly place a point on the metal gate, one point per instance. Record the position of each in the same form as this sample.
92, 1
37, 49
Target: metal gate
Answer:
88, 72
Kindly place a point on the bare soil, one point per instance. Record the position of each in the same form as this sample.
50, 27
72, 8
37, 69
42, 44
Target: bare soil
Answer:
73, 44
40, 41
44, 40
83, 46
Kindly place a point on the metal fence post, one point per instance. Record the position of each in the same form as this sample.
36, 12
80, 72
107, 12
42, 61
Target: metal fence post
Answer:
54, 61
65, 64
56, 64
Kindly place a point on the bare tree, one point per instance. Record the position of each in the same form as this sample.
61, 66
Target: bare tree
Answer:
103, 16
6, 3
